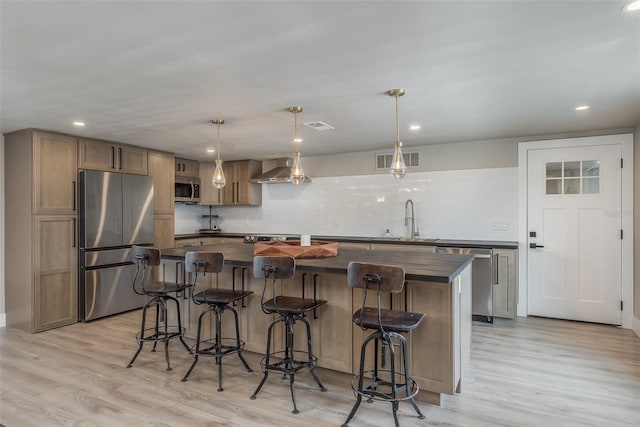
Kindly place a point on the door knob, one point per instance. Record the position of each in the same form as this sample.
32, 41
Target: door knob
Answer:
533, 246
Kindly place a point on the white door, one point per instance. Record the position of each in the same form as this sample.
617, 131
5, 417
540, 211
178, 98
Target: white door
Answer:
574, 211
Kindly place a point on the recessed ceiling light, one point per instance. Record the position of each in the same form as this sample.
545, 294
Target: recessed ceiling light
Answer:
633, 6
414, 127
210, 150
582, 108
79, 124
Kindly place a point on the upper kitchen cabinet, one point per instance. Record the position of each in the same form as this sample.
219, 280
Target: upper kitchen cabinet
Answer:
239, 190
186, 167
161, 169
111, 157
54, 173
209, 195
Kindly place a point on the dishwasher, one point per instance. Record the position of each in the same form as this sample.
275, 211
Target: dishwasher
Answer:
481, 281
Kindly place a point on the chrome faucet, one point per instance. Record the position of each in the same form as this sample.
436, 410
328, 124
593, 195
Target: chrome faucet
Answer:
410, 217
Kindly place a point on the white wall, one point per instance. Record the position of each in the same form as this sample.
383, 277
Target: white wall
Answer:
462, 204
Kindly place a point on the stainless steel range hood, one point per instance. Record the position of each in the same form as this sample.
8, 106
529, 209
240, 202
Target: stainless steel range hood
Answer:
280, 172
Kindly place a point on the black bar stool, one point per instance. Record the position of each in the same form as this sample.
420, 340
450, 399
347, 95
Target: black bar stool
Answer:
290, 309
159, 292
397, 385
219, 301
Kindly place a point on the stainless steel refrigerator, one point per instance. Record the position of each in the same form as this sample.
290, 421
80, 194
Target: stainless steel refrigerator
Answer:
116, 211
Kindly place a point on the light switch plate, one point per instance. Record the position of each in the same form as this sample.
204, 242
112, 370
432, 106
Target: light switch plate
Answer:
500, 226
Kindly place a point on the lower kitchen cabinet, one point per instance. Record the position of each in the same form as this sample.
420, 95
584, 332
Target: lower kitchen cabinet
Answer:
163, 234
55, 300
505, 283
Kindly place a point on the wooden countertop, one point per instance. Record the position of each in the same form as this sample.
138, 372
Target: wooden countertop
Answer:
420, 266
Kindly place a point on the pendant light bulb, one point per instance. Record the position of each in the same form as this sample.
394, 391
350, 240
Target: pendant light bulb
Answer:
398, 166
297, 173
218, 180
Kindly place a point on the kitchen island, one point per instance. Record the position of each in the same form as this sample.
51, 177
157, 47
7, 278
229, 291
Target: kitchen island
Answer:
437, 284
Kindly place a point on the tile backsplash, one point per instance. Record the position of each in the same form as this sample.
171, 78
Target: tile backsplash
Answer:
477, 204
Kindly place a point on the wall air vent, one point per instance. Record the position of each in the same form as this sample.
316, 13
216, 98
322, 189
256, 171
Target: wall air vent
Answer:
383, 161
319, 126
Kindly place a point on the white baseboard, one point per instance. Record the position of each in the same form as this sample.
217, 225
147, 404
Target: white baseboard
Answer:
635, 325
3, 320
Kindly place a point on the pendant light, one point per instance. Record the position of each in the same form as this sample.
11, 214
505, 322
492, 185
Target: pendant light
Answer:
218, 179
398, 166
297, 174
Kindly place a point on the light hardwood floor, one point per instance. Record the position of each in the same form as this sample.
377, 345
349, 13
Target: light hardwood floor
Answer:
531, 372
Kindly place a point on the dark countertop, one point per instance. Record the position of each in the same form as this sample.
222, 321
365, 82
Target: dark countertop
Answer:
450, 243
418, 266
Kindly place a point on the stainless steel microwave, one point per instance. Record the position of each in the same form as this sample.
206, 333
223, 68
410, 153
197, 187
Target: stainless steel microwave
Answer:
187, 189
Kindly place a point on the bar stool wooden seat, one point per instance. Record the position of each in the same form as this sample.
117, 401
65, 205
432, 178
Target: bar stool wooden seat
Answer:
389, 385
289, 309
147, 258
219, 301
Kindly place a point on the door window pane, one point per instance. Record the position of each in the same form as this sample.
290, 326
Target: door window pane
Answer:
554, 186
591, 168
591, 185
572, 186
554, 170
572, 169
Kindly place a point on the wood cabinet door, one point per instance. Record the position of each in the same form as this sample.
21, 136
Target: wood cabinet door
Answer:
55, 298
209, 195
161, 169
96, 155
163, 231
185, 167
131, 159
504, 283
331, 332
55, 173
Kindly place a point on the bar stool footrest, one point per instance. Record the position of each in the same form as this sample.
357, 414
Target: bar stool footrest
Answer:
404, 391
208, 347
295, 366
160, 336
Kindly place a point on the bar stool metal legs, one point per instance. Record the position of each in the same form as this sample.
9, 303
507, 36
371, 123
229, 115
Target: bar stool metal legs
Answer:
385, 389
216, 347
158, 335
288, 364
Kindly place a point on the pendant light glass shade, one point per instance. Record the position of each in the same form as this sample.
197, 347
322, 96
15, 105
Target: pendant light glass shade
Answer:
398, 166
297, 173
218, 180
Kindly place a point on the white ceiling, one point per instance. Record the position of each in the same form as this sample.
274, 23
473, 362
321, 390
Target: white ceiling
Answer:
153, 73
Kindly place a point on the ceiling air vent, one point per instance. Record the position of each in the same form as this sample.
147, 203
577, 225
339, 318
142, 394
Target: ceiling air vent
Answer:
319, 126
383, 161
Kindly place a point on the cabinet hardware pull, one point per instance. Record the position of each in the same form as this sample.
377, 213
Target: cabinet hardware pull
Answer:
233, 283
113, 157
496, 267
244, 269
74, 233
315, 290
73, 183
120, 158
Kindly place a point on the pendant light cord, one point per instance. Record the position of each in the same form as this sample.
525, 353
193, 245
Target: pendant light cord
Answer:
218, 131
295, 131
397, 120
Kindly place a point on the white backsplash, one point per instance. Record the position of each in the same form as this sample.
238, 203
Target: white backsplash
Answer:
479, 204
